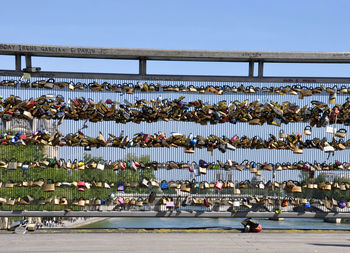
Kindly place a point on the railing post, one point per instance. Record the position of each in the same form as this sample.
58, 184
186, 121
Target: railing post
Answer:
142, 66
18, 62
261, 69
28, 61
251, 69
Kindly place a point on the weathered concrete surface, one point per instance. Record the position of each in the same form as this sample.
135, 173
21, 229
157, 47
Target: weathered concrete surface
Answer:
166, 54
176, 242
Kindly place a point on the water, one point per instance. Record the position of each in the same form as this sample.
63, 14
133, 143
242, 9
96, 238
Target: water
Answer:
150, 223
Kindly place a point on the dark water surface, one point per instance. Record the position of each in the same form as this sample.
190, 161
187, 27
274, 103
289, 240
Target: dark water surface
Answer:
213, 223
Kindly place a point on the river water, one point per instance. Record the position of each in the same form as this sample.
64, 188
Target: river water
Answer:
223, 223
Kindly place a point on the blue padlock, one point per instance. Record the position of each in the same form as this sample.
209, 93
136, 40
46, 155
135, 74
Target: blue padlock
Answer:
307, 204
233, 121
193, 142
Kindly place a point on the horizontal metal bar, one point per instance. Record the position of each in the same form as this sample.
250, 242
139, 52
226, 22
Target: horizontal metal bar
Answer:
110, 76
173, 214
174, 55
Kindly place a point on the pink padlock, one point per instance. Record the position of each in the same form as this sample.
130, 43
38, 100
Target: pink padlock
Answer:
234, 138
121, 200
76, 102
219, 185
122, 165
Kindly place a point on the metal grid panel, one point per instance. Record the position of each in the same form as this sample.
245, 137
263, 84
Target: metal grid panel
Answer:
164, 155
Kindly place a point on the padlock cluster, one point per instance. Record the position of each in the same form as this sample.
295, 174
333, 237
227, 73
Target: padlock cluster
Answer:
317, 114
122, 184
293, 142
46, 182
130, 88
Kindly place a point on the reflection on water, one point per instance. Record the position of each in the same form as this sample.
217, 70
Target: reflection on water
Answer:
213, 223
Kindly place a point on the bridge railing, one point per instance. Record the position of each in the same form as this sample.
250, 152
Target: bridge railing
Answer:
254, 181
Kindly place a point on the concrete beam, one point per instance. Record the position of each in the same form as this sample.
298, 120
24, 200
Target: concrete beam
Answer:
174, 55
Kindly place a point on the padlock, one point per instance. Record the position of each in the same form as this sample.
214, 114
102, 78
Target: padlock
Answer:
219, 184
332, 97
307, 130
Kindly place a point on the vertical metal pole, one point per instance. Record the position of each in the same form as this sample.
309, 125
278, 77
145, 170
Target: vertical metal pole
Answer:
261, 69
142, 67
28, 61
18, 62
251, 68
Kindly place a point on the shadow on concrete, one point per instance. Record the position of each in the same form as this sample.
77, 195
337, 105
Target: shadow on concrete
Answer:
330, 244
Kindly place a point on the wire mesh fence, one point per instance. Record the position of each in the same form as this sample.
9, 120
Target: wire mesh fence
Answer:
57, 177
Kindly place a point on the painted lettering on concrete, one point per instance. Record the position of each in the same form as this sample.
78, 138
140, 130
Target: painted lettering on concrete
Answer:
52, 49
251, 54
7, 47
83, 50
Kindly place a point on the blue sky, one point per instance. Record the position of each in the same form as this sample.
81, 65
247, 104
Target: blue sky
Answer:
215, 25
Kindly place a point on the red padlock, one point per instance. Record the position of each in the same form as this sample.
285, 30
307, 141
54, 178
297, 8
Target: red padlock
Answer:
147, 138
206, 203
30, 104
225, 119
22, 136
81, 184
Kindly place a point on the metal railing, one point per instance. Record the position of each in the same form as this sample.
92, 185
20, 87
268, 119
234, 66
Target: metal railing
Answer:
173, 154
